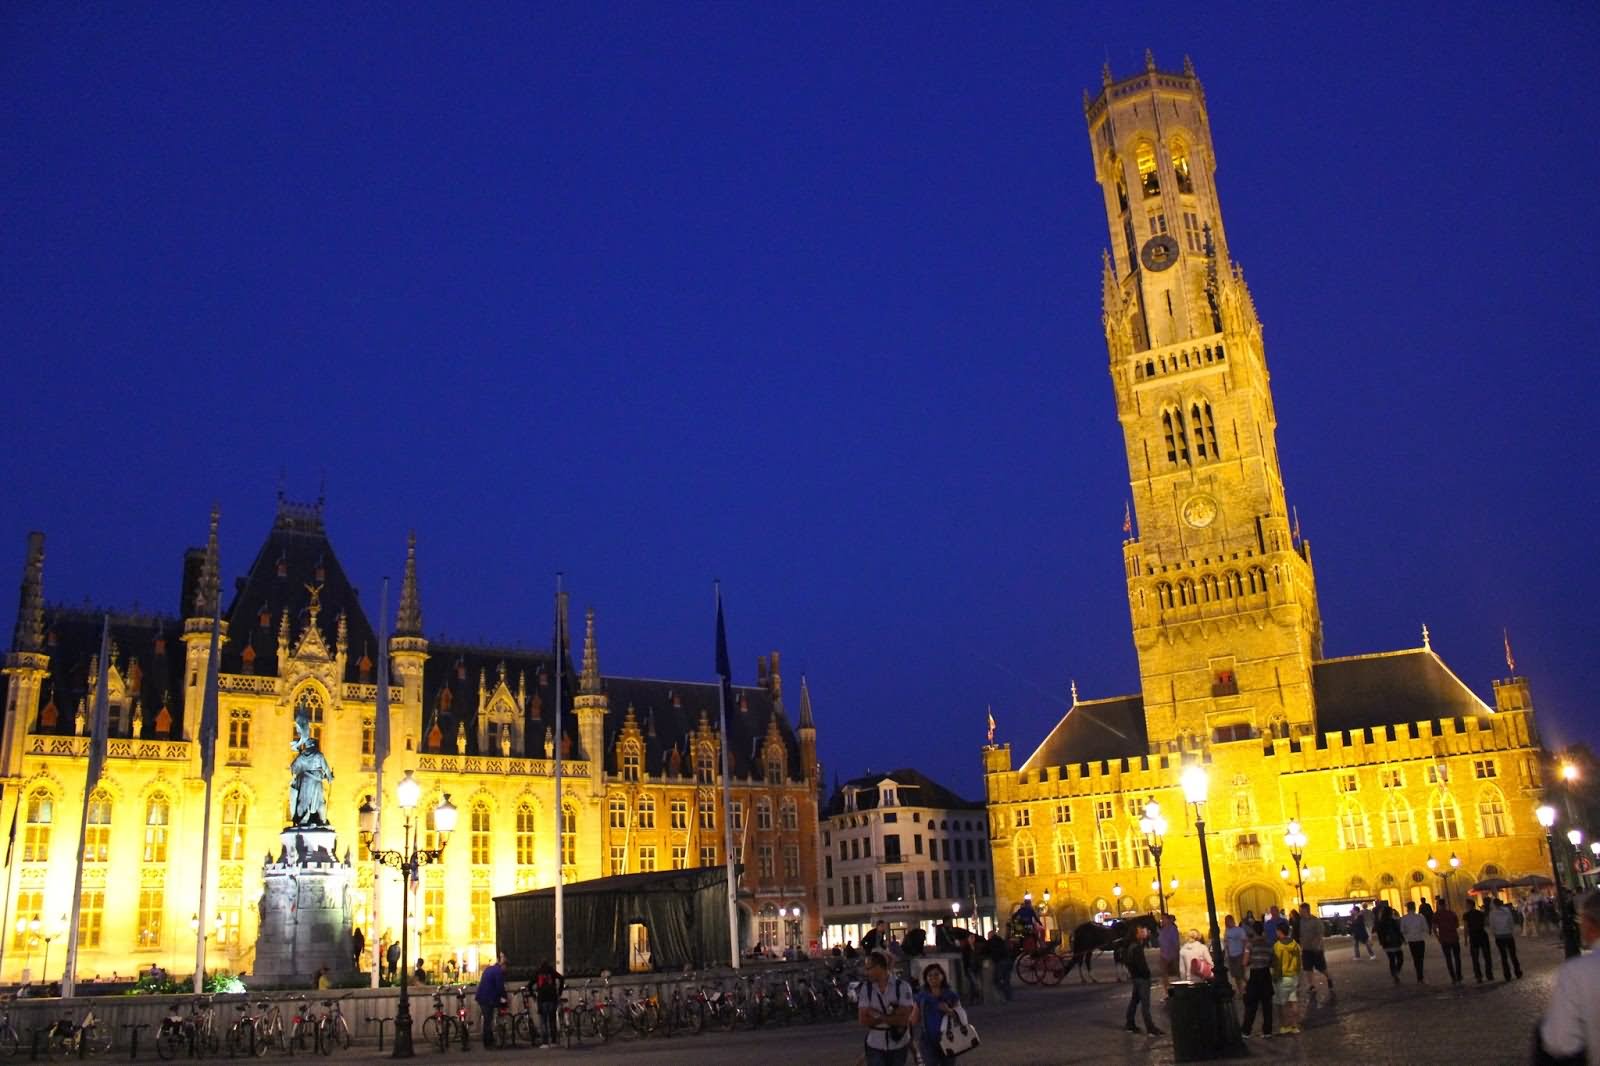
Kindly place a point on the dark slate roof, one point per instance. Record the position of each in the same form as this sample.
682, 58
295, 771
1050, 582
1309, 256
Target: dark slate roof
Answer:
450, 693
1390, 688
1095, 730
72, 640
300, 544
668, 712
926, 793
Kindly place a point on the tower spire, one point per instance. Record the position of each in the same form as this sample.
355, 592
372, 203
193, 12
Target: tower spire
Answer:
209, 587
589, 682
29, 634
806, 721
408, 619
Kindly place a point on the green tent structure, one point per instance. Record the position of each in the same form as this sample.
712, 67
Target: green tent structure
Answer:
684, 914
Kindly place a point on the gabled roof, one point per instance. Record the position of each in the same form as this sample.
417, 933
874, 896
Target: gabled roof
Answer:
72, 640
1095, 730
1390, 688
668, 712
915, 788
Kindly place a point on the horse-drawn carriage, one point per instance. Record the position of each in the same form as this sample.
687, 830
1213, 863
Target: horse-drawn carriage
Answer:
1037, 961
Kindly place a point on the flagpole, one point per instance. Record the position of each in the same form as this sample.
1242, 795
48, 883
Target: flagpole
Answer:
97, 741
5, 923
208, 766
380, 752
560, 928
724, 669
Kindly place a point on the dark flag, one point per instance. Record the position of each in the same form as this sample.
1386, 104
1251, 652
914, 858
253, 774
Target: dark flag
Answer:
11, 838
724, 664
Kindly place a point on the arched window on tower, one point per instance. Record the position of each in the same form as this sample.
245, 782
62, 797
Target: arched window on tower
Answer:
1180, 168
1177, 435
1205, 431
1145, 158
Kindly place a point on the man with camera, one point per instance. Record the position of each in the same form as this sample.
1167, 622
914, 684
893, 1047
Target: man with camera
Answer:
886, 1006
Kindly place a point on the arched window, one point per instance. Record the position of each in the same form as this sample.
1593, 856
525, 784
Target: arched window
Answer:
1258, 580
763, 814
1232, 584
1398, 826
1209, 592
569, 835
157, 820
478, 834
1186, 592
1205, 430
1180, 168
1352, 825
1122, 193
1492, 819
1446, 819
97, 834
647, 812
526, 826
36, 837
705, 765
774, 766
791, 815
1389, 891
1145, 159
309, 703
1026, 860
630, 763
1164, 595
235, 817
617, 806
1066, 854
1177, 435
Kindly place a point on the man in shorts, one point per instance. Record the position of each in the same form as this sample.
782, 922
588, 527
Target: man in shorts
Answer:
1286, 965
1312, 930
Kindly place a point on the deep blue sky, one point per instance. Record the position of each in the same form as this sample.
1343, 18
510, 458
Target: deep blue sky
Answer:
807, 299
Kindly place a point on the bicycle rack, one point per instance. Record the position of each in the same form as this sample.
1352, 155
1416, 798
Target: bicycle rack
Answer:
34, 1033
133, 1045
382, 1020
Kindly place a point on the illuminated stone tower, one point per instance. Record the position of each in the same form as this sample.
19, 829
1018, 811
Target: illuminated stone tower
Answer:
1220, 587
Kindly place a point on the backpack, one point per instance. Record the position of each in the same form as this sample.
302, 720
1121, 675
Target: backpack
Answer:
544, 981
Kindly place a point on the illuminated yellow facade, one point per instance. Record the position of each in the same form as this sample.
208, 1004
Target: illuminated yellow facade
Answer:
1385, 760
642, 767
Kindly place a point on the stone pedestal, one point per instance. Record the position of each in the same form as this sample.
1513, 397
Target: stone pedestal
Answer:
305, 910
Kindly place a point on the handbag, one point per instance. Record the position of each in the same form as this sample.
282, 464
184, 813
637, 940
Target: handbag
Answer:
957, 1036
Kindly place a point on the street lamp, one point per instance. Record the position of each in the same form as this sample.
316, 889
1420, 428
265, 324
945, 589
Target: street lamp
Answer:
1196, 784
407, 860
31, 928
1569, 926
1154, 828
1116, 891
1295, 838
1044, 915
55, 930
215, 930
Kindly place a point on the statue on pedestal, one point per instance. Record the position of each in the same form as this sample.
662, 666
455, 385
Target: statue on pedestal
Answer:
307, 796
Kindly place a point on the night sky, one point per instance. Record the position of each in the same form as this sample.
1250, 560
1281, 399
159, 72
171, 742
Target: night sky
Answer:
804, 299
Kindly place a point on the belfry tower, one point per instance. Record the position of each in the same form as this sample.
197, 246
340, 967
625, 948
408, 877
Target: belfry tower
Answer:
1220, 586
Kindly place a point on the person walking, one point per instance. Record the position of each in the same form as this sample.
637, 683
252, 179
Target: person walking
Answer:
1447, 930
392, 957
936, 1002
1426, 910
877, 937
1391, 939
1503, 926
1414, 927
548, 984
1315, 959
1138, 968
999, 953
1233, 941
1287, 962
1476, 922
887, 1008
490, 992
1360, 935
1571, 1024
358, 947
1170, 942
1258, 984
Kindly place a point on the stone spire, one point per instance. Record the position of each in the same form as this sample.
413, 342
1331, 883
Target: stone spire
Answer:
209, 587
29, 634
589, 681
806, 721
408, 620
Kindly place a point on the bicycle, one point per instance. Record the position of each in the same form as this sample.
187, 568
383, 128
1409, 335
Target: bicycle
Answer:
332, 1029
641, 1014
9, 1041
81, 1039
523, 1024
438, 1028
243, 1035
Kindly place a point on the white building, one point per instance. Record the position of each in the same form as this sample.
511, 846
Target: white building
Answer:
901, 847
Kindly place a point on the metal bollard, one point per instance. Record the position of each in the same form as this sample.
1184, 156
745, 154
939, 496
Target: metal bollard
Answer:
986, 979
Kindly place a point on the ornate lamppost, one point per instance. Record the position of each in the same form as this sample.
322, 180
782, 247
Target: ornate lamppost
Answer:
54, 931
1196, 784
1569, 925
1154, 828
1167, 893
216, 928
408, 860
1044, 915
1575, 838
1116, 906
1445, 875
1295, 839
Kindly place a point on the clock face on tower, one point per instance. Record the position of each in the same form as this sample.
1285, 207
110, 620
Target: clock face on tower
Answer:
1159, 252
1199, 511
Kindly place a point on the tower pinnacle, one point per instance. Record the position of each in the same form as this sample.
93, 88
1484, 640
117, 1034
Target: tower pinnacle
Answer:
209, 587
589, 682
408, 620
29, 634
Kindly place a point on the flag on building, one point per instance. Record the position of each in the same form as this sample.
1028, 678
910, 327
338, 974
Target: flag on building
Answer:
102, 713
991, 725
11, 838
1127, 519
208, 706
1511, 662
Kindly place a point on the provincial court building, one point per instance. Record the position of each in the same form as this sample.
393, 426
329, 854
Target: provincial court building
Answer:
1386, 759
641, 776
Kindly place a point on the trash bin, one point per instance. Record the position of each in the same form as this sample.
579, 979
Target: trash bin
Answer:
1194, 1020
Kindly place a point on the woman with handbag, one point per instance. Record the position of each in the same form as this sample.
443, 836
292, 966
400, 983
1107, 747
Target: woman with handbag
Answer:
936, 1003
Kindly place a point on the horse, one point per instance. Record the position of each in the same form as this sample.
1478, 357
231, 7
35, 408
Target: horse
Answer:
1091, 937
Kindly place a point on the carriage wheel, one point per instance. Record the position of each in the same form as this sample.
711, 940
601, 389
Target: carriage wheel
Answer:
1051, 969
1028, 969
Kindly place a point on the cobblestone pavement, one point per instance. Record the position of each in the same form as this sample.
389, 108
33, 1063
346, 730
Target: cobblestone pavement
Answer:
1372, 1022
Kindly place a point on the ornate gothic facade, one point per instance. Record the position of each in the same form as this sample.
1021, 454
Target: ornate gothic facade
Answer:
641, 789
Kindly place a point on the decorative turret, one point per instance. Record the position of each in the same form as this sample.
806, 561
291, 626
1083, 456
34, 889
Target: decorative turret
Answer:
197, 629
27, 664
808, 737
408, 648
591, 703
